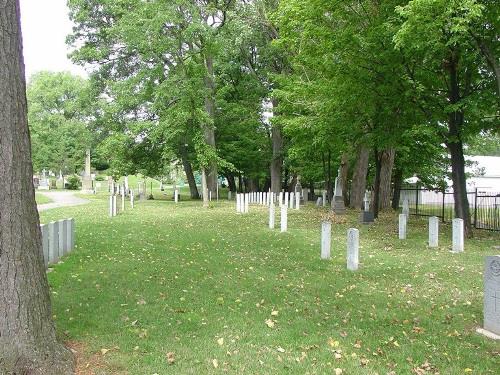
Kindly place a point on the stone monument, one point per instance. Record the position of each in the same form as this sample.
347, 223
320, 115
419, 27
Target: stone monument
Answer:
366, 216
338, 199
44, 181
491, 325
87, 178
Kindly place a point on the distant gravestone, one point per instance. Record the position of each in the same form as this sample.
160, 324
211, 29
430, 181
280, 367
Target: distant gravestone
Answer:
457, 236
326, 238
319, 202
352, 249
284, 218
44, 181
433, 231
229, 195
297, 201
271, 216
87, 178
323, 201
402, 226
338, 199
367, 216
491, 326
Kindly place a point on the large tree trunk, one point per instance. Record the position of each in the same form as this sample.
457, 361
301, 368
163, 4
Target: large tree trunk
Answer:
376, 185
387, 163
277, 160
398, 182
358, 186
455, 146
344, 178
188, 170
28, 342
231, 182
204, 187
208, 130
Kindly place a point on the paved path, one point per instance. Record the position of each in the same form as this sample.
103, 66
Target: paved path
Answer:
60, 199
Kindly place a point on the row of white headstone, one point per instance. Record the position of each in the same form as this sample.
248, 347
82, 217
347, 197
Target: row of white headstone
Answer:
352, 245
457, 232
58, 239
243, 200
113, 205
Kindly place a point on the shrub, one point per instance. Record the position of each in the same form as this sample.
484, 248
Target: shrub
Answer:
73, 182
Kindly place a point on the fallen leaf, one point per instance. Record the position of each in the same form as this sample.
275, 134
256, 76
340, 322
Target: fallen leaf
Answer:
220, 341
215, 363
170, 358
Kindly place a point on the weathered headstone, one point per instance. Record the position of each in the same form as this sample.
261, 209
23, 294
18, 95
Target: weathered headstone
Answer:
87, 178
491, 325
433, 231
111, 210
176, 196
305, 194
297, 201
131, 199
367, 216
44, 181
323, 201
53, 241
62, 237
319, 202
123, 200
326, 238
281, 199
292, 200
338, 205
115, 209
229, 195
402, 226
271, 216
406, 208
247, 202
352, 249
70, 238
457, 236
44, 228
284, 218
238, 205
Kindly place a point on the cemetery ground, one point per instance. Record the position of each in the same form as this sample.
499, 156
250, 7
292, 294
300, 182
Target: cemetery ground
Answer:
42, 199
167, 288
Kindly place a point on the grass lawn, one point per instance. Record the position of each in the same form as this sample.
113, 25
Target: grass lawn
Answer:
42, 199
212, 291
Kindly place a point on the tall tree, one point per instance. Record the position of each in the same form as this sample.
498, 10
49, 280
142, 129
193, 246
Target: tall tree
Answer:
28, 343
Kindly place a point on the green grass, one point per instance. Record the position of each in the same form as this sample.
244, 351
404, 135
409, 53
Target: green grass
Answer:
42, 199
166, 278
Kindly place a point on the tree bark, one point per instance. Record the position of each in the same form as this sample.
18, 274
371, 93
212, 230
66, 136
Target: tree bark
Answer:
344, 178
455, 147
398, 182
231, 182
204, 188
277, 158
193, 189
376, 185
358, 186
387, 163
28, 343
208, 129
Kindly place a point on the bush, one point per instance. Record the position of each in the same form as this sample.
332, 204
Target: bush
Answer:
99, 178
73, 182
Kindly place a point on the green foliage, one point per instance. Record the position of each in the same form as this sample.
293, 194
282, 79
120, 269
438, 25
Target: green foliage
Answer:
57, 116
73, 182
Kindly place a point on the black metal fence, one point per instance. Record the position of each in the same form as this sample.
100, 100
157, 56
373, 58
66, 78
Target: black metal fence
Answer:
484, 206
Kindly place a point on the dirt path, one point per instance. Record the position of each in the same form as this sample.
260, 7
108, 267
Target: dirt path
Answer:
60, 199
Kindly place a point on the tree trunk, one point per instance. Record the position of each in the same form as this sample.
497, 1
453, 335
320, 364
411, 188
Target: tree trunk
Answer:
204, 188
28, 342
208, 130
311, 191
231, 182
291, 185
329, 187
344, 173
240, 183
398, 182
455, 146
193, 189
358, 186
277, 158
387, 163
376, 185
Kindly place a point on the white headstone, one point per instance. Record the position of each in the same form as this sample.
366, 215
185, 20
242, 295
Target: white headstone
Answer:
281, 198
271, 216
492, 295
433, 231
115, 209
44, 228
457, 236
326, 238
352, 249
176, 196
111, 210
70, 233
247, 202
53, 241
292, 200
62, 237
324, 199
286, 198
284, 218
402, 226
123, 201
297, 201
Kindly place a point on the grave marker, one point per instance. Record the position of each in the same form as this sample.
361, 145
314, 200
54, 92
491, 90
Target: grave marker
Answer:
284, 218
352, 249
326, 238
402, 226
433, 231
458, 236
491, 313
